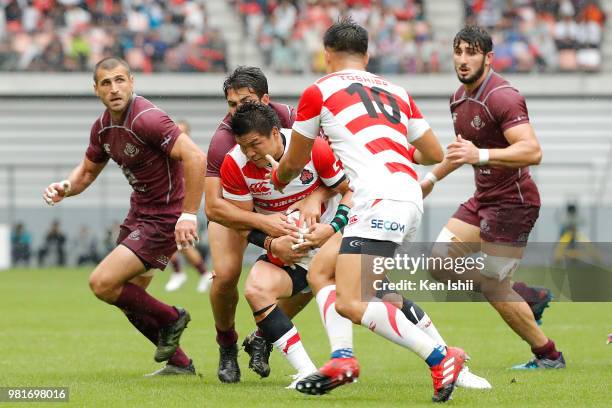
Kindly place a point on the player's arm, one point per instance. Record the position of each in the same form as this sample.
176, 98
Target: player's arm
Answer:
219, 210
440, 170
310, 206
232, 186
524, 150
80, 178
306, 129
279, 247
428, 149
293, 161
194, 165
318, 234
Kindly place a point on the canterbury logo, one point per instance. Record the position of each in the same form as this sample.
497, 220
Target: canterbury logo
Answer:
260, 188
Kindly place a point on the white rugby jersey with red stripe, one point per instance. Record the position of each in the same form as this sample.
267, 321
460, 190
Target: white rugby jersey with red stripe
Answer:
369, 122
242, 180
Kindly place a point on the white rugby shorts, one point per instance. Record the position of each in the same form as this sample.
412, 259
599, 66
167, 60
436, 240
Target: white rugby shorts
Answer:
384, 220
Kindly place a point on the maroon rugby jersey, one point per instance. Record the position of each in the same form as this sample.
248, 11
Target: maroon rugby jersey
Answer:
223, 139
140, 144
482, 117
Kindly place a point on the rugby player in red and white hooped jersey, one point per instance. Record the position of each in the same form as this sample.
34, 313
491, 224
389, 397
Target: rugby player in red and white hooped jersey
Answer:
245, 185
370, 122
494, 136
244, 84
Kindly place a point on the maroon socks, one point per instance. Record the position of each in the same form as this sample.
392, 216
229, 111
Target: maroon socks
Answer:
226, 338
546, 351
135, 299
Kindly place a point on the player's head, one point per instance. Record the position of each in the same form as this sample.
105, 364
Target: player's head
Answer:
113, 83
345, 41
472, 54
184, 126
245, 84
257, 130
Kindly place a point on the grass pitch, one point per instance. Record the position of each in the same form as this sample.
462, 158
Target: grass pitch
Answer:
54, 332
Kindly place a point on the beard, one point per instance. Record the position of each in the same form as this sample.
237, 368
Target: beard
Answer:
474, 77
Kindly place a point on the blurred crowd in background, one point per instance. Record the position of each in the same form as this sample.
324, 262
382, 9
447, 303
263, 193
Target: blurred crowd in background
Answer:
542, 35
289, 33
57, 249
72, 35
175, 35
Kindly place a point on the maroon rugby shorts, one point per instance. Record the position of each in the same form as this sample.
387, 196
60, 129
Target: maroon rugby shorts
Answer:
500, 222
150, 237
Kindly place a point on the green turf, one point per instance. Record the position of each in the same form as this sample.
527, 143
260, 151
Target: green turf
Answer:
54, 332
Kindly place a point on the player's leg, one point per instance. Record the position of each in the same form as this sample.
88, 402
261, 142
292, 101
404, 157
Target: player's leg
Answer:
264, 286
321, 278
110, 282
178, 277
194, 257
461, 237
179, 363
227, 248
342, 367
499, 264
387, 321
256, 346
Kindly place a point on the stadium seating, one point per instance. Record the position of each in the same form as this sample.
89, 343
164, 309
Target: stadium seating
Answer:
288, 33
545, 36
60, 35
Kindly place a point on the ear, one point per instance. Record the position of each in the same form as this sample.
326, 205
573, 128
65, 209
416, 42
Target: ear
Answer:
96, 89
265, 99
489, 58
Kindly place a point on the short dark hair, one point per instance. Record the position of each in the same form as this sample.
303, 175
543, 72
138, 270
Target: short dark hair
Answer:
247, 77
110, 63
254, 117
346, 36
476, 37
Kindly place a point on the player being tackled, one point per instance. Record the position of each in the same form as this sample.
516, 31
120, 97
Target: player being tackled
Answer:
281, 271
369, 123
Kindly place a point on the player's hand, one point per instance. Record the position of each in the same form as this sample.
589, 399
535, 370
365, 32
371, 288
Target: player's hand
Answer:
462, 151
275, 182
317, 235
310, 209
426, 187
56, 192
276, 225
281, 248
186, 231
